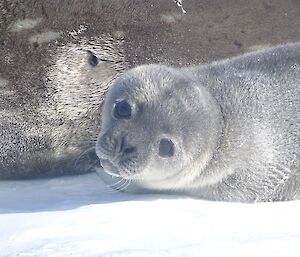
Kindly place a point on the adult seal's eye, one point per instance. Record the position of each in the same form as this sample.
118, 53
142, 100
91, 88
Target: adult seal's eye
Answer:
93, 60
122, 110
166, 148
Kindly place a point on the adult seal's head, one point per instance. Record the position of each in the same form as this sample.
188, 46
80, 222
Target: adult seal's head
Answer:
157, 124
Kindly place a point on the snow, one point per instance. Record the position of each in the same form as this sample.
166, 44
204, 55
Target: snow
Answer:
80, 216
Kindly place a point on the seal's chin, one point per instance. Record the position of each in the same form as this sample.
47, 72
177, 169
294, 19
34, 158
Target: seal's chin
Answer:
115, 170
109, 168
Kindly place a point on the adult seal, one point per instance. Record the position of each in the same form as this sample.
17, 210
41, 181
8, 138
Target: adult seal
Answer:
227, 131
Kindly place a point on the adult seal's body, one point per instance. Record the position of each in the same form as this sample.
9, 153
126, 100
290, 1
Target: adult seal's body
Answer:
229, 130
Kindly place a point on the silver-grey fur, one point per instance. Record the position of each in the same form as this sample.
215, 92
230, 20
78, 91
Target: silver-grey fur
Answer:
235, 125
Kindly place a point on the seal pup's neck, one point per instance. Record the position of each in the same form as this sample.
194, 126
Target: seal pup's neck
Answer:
205, 169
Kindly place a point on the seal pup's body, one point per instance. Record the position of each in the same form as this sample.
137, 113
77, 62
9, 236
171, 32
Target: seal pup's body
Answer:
228, 131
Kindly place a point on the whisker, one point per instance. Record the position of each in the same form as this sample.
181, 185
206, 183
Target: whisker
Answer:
83, 153
121, 185
116, 183
111, 190
114, 188
126, 185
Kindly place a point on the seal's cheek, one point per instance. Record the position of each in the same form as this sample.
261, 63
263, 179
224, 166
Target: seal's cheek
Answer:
159, 168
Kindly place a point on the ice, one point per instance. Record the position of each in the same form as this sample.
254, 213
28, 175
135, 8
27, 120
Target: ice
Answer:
79, 216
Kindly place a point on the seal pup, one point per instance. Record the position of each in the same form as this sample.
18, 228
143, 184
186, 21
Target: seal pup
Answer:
228, 131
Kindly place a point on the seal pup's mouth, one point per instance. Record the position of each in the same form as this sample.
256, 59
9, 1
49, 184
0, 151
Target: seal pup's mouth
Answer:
123, 169
115, 176
114, 181
109, 168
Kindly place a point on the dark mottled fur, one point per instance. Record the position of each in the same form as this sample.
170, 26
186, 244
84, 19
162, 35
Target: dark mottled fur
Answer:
50, 127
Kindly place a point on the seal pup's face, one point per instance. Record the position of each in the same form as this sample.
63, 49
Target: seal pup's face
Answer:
156, 123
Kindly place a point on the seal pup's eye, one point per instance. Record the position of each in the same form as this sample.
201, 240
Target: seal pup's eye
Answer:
166, 148
122, 110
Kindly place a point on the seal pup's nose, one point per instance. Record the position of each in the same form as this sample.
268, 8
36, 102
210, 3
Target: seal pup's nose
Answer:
111, 147
106, 146
124, 148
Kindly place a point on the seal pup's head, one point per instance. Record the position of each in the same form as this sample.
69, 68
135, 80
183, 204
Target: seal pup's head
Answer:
158, 128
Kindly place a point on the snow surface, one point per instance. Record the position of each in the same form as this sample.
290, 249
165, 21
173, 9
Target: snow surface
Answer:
80, 216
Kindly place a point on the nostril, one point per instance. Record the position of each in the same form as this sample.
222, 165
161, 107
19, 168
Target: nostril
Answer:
129, 150
123, 147
122, 144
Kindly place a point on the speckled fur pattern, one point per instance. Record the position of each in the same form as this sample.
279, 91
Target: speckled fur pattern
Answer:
49, 128
235, 125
